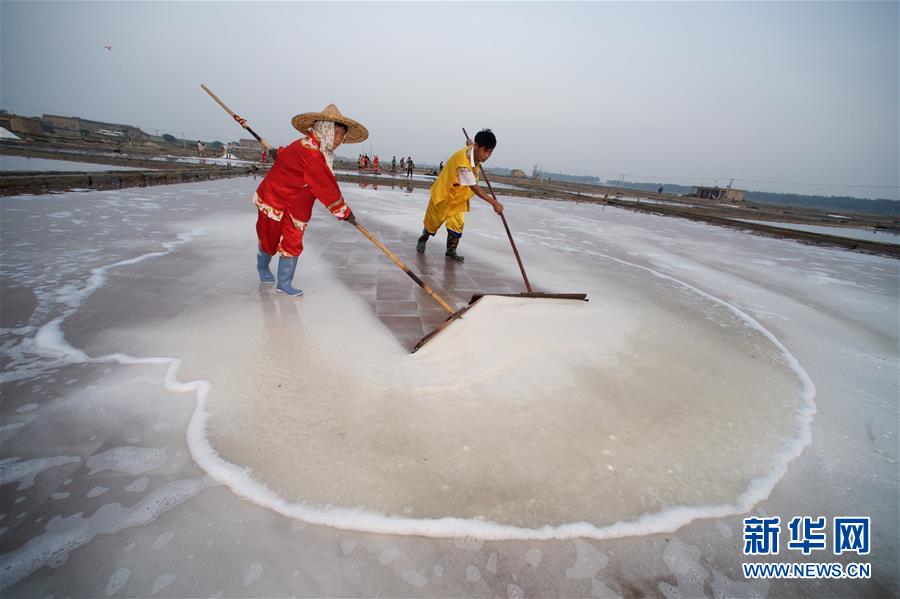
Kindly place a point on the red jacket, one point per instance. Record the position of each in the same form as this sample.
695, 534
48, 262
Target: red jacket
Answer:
298, 177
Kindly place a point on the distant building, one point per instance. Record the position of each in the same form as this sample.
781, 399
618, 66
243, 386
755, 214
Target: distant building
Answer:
719, 194
72, 123
21, 124
517, 173
62, 124
53, 126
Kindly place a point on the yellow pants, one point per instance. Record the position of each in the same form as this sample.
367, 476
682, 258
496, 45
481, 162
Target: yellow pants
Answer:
435, 217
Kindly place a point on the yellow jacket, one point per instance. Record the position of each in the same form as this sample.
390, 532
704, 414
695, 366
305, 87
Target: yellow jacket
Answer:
446, 192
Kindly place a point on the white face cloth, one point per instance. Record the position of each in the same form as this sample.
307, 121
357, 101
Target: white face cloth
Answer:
324, 131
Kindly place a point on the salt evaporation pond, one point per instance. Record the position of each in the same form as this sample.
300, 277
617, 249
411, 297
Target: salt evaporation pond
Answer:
23, 163
846, 232
170, 426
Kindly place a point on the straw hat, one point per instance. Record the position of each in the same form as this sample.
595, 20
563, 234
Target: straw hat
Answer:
355, 132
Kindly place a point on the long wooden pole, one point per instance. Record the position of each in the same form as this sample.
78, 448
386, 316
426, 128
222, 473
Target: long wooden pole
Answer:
508, 234
405, 269
240, 121
503, 218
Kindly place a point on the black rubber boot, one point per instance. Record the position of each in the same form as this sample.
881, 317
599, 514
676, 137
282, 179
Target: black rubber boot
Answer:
420, 245
452, 243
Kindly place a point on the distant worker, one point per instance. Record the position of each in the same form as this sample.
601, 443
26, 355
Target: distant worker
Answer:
441, 167
200, 148
394, 164
402, 163
409, 167
451, 191
375, 164
303, 172
660, 189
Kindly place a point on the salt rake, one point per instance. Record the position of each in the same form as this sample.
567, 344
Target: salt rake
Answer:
529, 293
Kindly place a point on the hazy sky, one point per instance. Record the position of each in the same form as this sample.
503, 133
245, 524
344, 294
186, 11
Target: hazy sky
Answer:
796, 97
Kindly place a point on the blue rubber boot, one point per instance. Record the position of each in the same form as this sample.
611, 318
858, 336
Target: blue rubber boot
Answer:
262, 267
286, 268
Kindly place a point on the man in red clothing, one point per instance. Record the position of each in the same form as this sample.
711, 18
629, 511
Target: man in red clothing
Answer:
302, 173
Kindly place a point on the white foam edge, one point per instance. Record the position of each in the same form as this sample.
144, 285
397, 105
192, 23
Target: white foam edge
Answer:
98, 275
240, 481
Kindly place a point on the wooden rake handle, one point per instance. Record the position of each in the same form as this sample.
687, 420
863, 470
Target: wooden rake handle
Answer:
240, 121
405, 269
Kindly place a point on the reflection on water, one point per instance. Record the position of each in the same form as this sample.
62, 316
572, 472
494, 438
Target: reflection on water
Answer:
408, 188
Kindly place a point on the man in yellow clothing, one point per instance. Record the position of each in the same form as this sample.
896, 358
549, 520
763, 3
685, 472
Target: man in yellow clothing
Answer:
452, 190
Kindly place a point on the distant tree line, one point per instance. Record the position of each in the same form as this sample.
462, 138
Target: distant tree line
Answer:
836, 203
667, 187
589, 179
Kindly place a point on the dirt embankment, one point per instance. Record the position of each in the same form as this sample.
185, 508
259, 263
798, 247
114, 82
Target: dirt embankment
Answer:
161, 172
151, 169
675, 205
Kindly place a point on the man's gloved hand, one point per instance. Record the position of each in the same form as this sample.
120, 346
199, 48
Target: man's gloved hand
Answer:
273, 153
350, 218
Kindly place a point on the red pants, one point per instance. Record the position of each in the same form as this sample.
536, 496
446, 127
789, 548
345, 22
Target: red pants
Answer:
283, 237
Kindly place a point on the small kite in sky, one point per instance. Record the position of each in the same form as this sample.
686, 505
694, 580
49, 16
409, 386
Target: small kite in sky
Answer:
108, 47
